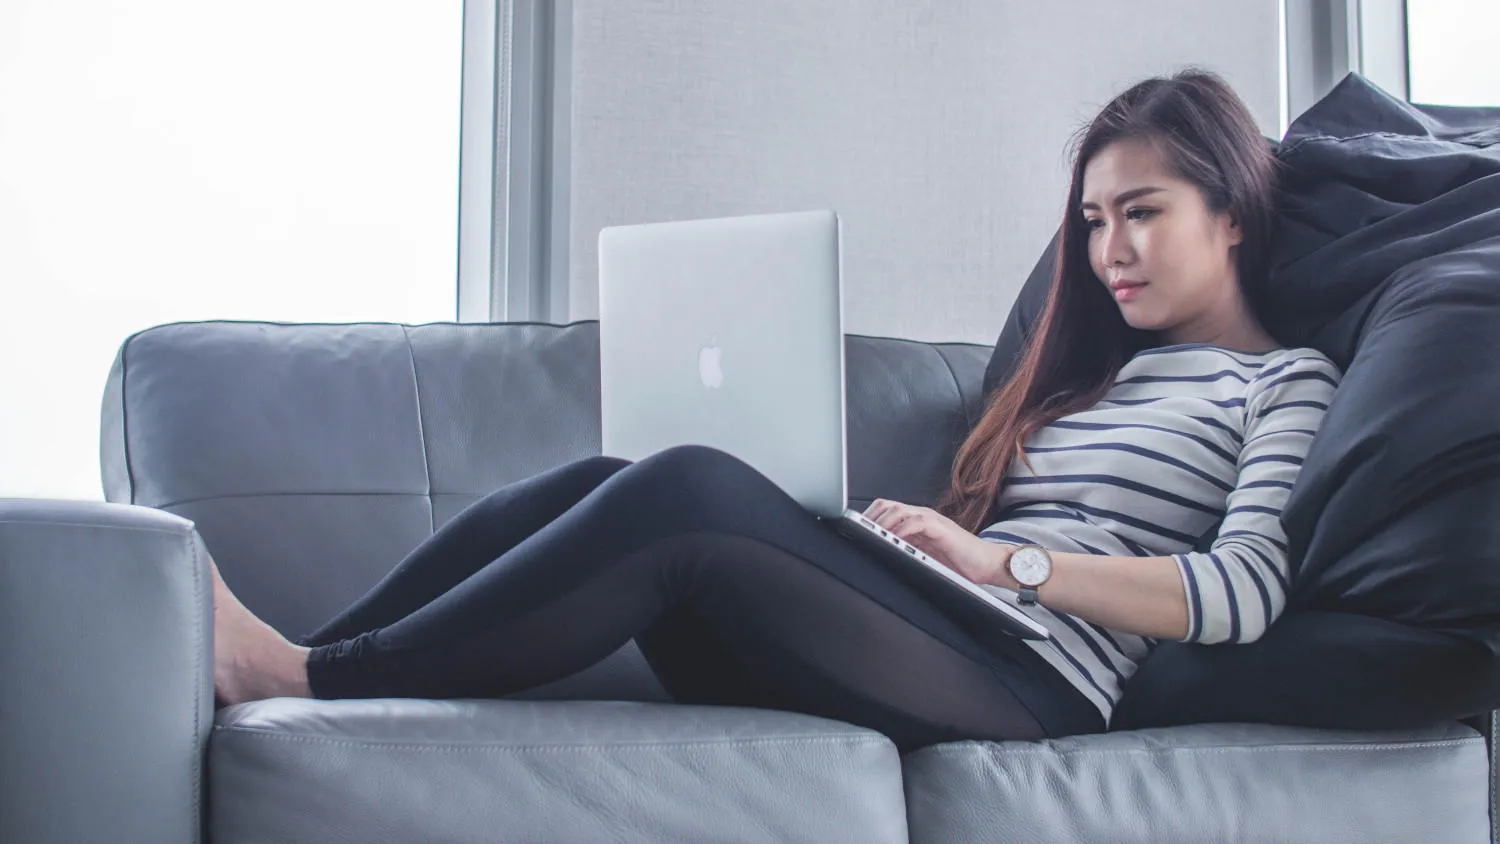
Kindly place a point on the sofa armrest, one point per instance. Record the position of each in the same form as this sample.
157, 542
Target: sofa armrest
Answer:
106, 673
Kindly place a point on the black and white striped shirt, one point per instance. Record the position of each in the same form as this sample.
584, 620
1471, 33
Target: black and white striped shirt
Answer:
1189, 434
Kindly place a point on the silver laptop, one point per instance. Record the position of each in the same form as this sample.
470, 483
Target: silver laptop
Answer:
729, 333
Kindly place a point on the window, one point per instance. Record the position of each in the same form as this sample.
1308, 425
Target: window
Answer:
178, 160
1450, 52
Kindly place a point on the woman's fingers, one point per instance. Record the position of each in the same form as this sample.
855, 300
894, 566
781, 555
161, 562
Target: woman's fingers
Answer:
898, 518
906, 520
879, 510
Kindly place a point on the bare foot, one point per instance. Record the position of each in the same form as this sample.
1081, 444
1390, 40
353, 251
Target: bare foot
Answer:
251, 660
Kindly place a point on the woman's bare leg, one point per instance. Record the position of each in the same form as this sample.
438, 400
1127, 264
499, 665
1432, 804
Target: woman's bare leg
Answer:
251, 660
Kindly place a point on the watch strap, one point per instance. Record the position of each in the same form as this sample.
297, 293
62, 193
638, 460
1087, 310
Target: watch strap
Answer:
1027, 596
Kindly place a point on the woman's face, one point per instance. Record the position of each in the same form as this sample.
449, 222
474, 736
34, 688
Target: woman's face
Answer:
1165, 258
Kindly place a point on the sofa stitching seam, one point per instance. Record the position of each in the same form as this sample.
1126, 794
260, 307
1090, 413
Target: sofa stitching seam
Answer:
853, 740
276, 493
1494, 821
125, 415
963, 405
1221, 749
54, 523
421, 430
198, 626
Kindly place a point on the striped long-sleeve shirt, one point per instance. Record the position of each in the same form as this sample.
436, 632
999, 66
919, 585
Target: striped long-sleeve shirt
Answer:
1189, 435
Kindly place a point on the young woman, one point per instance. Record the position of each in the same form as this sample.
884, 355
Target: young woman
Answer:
1152, 406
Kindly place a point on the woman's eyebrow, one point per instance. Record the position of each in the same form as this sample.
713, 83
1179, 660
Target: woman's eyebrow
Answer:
1123, 198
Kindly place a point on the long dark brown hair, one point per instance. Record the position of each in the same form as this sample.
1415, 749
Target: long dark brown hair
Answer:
1073, 353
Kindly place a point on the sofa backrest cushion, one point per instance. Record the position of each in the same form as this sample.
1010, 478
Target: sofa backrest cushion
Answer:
313, 457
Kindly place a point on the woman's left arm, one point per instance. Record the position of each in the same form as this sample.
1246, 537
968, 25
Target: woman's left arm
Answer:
1140, 595
1234, 590
1230, 593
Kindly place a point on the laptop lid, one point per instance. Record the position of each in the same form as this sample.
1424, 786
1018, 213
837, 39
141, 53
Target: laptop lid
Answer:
728, 333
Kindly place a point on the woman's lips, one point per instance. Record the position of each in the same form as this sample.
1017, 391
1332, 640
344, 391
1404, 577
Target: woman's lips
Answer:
1126, 292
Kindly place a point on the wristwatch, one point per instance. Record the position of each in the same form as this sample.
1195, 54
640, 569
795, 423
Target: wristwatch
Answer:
1030, 565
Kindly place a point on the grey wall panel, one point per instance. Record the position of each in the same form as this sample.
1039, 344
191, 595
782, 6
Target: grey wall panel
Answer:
937, 129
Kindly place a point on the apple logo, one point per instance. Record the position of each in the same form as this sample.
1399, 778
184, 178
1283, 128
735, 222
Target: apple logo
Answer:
711, 364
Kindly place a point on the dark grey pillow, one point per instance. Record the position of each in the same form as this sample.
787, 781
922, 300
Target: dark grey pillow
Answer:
1315, 669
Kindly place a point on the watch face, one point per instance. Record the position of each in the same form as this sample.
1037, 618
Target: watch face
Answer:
1030, 566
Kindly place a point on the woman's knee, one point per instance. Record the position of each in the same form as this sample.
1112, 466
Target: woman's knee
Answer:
698, 476
694, 464
600, 465
581, 476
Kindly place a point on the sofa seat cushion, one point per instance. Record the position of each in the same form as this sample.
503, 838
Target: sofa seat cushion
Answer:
1209, 782
325, 772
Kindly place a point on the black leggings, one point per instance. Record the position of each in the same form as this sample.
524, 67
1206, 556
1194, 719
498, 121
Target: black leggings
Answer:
735, 594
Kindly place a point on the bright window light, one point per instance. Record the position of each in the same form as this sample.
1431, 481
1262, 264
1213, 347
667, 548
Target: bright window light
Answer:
179, 160
1451, 52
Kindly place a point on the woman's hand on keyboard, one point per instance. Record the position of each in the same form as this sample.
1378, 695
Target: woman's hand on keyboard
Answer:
942, 539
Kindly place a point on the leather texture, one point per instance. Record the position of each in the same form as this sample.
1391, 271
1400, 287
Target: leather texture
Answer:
1217, 782
311, 458
328, 772
107, 692
906, 412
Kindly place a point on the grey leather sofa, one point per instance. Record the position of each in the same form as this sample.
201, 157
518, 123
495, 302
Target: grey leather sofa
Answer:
310, 458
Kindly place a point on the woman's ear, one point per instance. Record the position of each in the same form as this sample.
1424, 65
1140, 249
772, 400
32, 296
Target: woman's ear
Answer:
1232, 230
